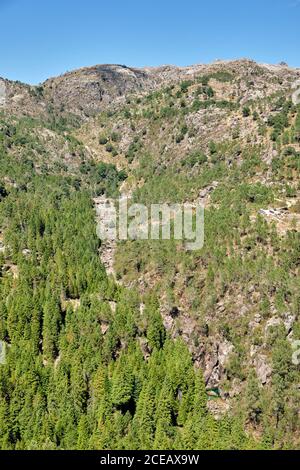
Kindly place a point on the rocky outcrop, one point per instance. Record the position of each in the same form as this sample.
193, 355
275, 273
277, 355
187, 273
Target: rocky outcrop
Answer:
89, 90
21, 99
215, 362
104, 216
2, 93
263, 369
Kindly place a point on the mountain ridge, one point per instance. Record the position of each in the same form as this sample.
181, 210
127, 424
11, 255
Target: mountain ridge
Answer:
88, 90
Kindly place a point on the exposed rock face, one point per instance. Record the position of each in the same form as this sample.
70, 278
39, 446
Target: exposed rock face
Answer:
87, 91
105, 215
2, 92
272, 322
20, 99
263, 369
289, 320
215, 362
2, 352
224, 351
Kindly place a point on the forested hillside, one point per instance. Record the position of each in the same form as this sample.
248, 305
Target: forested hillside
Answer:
179, 349
84, 369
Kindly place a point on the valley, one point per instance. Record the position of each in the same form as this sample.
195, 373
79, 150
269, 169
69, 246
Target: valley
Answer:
140, 343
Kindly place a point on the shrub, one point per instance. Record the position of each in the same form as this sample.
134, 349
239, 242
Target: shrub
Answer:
103, 140
109, 148
246, 111
115, 137
184, 86
212, 147
196, 157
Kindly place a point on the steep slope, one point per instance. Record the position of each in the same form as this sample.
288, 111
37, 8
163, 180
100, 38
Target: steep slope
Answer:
226, 135
87, 91
83, 92
229, 138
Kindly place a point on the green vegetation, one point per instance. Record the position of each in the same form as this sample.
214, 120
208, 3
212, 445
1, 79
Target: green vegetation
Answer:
75, 375
279, 121
196, 157
188, 350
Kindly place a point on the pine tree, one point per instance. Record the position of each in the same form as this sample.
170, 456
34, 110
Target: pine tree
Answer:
144, 420
83, 433
51, 328
253, 398
122, 383
4, 425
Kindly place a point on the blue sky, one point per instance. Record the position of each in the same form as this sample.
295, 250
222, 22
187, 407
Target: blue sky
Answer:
40, 39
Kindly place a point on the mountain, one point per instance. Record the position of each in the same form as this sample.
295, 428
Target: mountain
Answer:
89, 90
208, 338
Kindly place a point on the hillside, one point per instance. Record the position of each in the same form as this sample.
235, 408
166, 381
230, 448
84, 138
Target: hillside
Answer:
193, 348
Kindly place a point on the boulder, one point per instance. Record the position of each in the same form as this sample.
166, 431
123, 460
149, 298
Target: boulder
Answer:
263, 369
